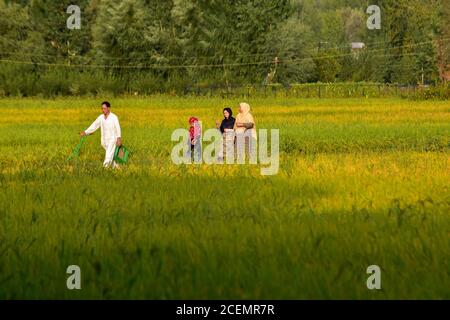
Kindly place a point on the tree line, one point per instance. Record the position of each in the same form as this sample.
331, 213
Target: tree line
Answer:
143, 45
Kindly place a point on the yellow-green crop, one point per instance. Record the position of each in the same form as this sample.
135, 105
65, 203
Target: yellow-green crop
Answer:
361, 182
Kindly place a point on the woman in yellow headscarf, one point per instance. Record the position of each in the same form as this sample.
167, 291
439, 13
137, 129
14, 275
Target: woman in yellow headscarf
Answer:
244, 120
245, 126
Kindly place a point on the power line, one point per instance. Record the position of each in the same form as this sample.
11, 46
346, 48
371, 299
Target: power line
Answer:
193, 66
225, 57
222, 65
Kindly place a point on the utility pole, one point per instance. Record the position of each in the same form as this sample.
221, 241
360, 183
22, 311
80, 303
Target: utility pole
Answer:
272, 72
423, 77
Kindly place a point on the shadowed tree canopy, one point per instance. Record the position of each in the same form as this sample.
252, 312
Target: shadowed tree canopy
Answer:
181, 42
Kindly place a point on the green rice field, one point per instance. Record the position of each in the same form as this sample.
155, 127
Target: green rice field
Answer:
361, 182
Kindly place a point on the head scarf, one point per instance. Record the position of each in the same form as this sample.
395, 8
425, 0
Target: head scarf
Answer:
194, 130
244, 116
245, 108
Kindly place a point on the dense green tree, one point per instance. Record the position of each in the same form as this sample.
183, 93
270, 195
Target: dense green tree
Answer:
292, 44
441, 27
179, 43
18, 39
49, 19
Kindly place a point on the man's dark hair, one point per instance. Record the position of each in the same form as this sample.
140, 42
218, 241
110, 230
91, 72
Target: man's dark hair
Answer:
106, 103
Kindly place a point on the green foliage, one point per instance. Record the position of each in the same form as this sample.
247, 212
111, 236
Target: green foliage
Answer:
292, 42
174, 44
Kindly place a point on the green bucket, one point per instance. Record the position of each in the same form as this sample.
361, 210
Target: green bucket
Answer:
121, 155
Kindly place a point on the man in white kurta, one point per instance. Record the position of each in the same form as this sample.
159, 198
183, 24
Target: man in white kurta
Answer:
110, 131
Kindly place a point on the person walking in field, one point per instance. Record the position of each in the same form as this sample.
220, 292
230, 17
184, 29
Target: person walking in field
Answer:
245, 130
111, 135
226, 127
195, 142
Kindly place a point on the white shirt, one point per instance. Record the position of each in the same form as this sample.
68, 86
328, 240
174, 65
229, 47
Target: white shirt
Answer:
110, 128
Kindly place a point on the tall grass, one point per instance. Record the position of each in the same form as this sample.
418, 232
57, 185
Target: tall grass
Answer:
361, 182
